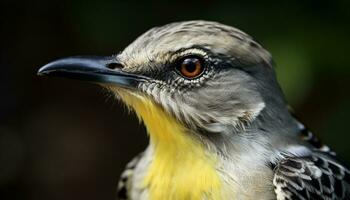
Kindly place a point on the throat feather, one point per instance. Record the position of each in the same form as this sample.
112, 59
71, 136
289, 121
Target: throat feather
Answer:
181, 167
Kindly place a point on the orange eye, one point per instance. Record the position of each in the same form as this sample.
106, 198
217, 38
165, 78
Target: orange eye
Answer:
191, 67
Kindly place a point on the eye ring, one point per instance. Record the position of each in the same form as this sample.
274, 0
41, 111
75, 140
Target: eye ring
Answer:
190, 67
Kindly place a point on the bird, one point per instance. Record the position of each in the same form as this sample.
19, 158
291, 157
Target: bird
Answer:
218, 123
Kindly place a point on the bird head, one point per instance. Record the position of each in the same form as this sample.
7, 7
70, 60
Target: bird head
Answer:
205, 76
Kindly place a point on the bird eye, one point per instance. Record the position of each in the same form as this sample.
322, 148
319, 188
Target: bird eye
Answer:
191, 67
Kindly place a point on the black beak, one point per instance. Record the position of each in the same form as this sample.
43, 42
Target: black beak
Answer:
92, 68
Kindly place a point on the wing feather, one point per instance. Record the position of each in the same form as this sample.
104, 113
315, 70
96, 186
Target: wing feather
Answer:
313, 177
126, 177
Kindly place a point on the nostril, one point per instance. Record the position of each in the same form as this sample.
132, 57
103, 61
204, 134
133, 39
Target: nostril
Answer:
114, 66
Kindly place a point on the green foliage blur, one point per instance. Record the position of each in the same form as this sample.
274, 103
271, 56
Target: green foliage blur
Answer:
61, 139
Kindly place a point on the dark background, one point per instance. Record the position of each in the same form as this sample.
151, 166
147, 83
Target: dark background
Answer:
62, 139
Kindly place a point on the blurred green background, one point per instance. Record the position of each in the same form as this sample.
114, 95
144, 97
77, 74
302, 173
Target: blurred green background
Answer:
62, 139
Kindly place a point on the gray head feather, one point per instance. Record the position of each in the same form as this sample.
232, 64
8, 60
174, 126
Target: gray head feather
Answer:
237, 92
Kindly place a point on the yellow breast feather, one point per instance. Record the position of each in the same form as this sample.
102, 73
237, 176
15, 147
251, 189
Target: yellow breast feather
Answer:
181, 168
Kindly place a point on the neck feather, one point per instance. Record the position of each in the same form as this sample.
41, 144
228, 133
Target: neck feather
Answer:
182, 168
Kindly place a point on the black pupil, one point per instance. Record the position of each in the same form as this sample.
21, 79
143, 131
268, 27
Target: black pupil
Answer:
190, 64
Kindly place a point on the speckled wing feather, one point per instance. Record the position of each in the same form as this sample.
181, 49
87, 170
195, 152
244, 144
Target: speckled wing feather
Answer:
312, 177
125, 179
317, 176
